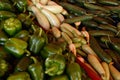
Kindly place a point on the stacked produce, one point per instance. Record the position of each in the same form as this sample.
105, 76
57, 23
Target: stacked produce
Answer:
59, 40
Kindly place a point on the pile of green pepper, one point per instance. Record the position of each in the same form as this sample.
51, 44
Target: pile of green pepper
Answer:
27, 52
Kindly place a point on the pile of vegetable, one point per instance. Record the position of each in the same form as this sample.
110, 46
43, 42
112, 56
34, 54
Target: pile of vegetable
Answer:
59, 39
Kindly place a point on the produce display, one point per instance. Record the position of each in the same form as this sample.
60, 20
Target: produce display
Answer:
59, 40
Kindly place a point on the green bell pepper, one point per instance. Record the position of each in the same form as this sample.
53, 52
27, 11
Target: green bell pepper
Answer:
6, 1
6, 14
23, 63
25, 19
21, 5
50, 49
73, 71
55, 65
60, 77
36, 70
23, 34
3, 67
3, 37
6, 6
70, 57
19, 76
4, 54
12, 26
37, 30
36, 42
16, 47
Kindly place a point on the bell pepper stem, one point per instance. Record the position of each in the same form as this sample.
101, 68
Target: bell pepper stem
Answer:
34, 59
33, 17
27, 53
14, 3
50, 69
24, 10
33, 28
40, 32
29, 15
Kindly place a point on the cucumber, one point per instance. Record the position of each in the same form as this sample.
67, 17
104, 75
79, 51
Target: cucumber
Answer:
91, 1
96, 7
108, 2
79, 18
90, 24
100, 20
98, 33
115, 46
73, 8
114, 9
80, 2
103, 19
113, 43
115, 57
105, 39
99, 51
98, 13
108, 27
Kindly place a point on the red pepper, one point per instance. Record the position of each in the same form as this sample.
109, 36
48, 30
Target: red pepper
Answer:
89, 71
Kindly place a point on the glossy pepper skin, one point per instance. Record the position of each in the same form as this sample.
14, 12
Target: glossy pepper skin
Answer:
55, 65
11, 26
4, 54
19, 76
16, 47
37, 30
6, 14
6, 1
36, 70
60, 77
20, 4
73, 70
3, 37
25, 19
3, 67
6, 6
50, 49
36, 42
23, 34
23, 63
